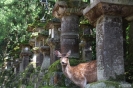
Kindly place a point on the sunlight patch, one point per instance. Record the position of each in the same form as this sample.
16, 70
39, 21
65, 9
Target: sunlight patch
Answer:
8, 1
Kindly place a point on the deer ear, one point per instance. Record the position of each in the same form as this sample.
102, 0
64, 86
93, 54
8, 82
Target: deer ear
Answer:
57, 53
68, 53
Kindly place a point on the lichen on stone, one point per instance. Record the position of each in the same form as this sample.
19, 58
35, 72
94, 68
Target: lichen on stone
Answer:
104, 84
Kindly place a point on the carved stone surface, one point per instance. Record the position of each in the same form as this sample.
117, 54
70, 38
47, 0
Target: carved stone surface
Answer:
109, 47
92, 13
69, 35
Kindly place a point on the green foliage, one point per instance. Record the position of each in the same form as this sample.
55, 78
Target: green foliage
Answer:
129, 55
14, 17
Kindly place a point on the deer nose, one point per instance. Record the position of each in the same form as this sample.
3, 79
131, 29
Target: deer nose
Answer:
63, 63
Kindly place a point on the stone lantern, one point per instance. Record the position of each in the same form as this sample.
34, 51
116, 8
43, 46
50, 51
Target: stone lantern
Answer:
36, 41
54, 38
107, 16
40, 55
45, 50
69, 12
25, 56
86, 41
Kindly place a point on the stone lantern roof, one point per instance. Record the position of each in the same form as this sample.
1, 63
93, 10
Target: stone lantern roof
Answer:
54, 21
97, 8
68, 7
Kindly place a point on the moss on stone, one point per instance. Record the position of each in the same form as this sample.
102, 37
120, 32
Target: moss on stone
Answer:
55, 67
105, 84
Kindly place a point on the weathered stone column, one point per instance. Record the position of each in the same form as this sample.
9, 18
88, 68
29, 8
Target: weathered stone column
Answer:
109, 39
69, 38
69, 12
107, 17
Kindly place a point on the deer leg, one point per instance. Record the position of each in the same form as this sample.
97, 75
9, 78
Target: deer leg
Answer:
83, 83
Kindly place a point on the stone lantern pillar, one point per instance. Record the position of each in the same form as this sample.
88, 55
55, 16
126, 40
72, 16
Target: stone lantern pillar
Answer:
54, 38
86, 41
106, 16
25, 55
69, 12
38, 41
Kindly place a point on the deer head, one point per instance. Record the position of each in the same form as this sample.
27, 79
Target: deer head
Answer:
63, 59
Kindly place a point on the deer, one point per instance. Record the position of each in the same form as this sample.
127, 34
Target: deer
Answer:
80, 74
